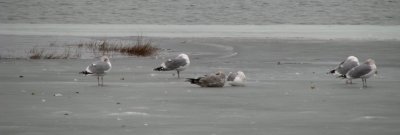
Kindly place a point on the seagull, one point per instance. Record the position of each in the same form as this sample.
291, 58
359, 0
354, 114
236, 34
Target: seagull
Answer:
236, 79
345, 66
99, 69
180, 63
362, 71
211, 80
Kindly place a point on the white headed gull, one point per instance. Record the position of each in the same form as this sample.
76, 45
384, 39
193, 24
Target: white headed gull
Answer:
99, 69
180, 63
236, 79
362, 71
345, 66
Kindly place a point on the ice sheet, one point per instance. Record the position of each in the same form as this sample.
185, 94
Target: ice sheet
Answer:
358, 32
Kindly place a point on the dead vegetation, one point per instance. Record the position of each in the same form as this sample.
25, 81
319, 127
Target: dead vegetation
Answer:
96, 48
42, 53
138, 48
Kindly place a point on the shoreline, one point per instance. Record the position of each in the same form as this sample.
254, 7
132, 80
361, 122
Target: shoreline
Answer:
322, 32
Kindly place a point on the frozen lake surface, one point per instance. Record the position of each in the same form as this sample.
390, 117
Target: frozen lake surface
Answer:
294, 97
285, 48
353, 32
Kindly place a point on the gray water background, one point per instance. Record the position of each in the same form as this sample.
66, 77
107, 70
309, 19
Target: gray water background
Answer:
205, 12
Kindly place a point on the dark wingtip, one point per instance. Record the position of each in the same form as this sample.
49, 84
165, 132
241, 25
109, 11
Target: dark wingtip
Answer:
342, 76
332, 71
85, 72
188, 79
192, 80
158, 69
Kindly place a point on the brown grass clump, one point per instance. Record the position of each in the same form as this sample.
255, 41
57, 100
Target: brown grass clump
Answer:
97, 48
139, 48
35, 53
42, 53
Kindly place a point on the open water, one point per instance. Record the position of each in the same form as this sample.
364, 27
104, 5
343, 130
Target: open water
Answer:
204, 12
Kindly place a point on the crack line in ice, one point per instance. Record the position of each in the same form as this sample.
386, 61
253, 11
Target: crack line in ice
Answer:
128, 113
370, 117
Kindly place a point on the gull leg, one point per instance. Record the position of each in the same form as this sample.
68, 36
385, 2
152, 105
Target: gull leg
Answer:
98, 81
178, 73
102, 82
362, 79
365, 80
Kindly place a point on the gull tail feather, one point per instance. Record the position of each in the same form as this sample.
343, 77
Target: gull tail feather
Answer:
342, 76
332, 71
193, 80
85, 73
159, 69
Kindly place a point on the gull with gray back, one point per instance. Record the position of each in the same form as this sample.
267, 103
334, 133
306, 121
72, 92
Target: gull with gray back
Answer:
363, 71
180, 63
345, 66
99, 69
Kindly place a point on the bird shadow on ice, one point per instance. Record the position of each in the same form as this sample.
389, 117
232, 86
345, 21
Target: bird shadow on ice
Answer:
353, 86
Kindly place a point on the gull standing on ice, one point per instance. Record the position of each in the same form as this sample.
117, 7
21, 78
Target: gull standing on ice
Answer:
236, 79
362, 71
345, 66
211, 80
99, 69
180, 63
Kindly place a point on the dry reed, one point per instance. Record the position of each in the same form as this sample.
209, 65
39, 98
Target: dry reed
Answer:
36, 53
97, 47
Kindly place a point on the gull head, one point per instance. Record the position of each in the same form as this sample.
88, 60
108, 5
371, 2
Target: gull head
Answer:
105, 59
221, 74
352, 58
370, 62
241, 74
184, 56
